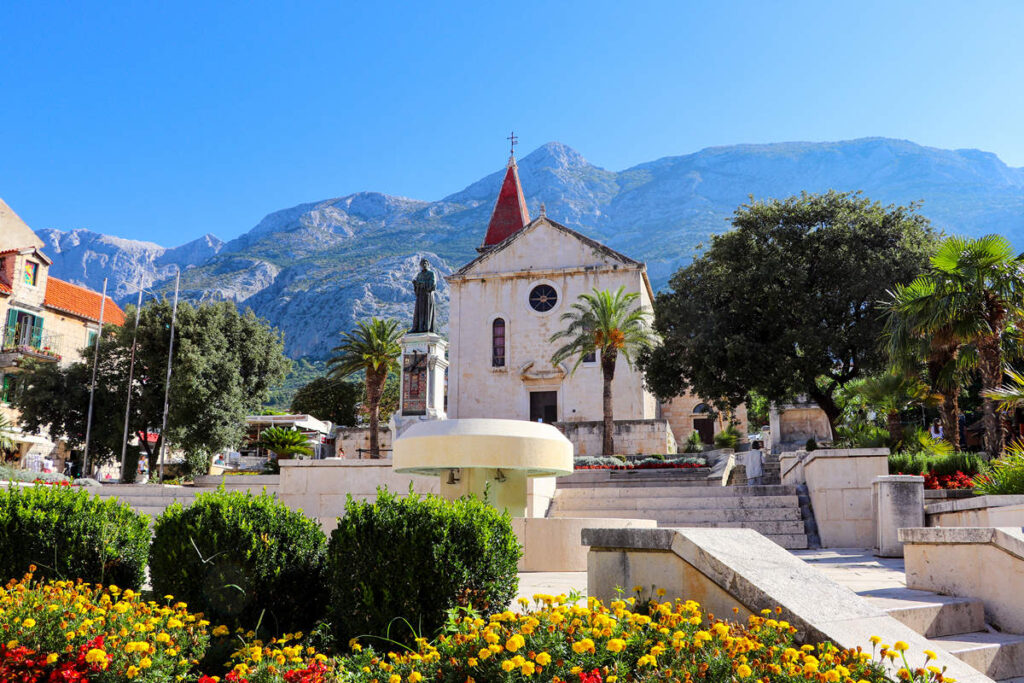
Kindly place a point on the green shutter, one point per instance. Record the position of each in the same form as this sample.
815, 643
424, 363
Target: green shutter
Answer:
37, 332
10, 329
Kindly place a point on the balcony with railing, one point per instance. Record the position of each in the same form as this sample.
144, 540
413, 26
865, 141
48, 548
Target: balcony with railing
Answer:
22, 340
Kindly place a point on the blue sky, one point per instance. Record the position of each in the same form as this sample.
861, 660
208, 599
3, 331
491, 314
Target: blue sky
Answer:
164, 121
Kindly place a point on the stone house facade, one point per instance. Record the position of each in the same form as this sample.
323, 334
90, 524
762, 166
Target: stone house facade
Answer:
42, 318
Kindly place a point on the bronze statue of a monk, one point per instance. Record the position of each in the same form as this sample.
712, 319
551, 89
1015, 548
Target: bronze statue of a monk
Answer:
424, 285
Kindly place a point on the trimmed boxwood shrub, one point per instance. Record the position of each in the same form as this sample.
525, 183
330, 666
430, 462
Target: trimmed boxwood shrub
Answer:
413, 559
242, 560
69, 534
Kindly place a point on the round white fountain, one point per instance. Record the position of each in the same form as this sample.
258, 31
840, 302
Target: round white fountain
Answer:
489, 458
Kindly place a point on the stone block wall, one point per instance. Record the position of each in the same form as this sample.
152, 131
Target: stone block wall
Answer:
840, 484
320, 487
632, 437
349, 440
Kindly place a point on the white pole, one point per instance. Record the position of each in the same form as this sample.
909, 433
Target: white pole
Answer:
92, 386
131, 377
167, 387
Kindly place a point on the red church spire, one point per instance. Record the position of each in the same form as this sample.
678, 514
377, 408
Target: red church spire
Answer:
510, 213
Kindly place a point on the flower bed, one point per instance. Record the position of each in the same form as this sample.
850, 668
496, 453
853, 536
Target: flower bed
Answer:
70, 631
959, 480
612, 463
562, 642
73, 631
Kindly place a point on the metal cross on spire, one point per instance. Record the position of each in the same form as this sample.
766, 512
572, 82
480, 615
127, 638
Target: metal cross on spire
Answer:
514, 140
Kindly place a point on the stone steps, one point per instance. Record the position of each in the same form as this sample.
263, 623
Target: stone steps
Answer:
998, 655
773, 511
956, 625
655, 490
690, 501
929, 614
691, 516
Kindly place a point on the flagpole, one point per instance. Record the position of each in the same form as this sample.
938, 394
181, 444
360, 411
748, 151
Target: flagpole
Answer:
131, 377
167, 387
92, 386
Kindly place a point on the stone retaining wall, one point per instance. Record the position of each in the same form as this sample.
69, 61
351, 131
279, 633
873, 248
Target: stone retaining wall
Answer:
632, 437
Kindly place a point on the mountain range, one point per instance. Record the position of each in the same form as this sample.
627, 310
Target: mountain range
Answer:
314, 269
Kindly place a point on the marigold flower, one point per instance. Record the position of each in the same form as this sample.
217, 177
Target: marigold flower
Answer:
743, 671
543, 659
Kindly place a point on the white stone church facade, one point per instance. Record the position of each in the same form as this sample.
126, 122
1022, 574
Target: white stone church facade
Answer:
504, 307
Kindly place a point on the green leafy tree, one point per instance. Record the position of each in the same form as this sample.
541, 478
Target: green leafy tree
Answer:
609, 325
327, 398
284, 443
372, 348
786, 297
225, 363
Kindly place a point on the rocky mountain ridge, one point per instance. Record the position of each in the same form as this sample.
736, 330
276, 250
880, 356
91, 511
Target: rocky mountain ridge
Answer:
315, 268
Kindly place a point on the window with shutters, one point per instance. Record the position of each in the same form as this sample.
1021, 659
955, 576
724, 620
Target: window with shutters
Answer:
498, 343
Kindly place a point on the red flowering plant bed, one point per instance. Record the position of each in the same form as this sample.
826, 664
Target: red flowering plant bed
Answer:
959, 480
612, 463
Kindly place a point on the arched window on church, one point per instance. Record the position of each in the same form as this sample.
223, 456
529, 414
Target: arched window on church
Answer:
498, 343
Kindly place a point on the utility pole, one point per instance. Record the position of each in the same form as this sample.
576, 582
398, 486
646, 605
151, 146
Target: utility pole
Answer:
131, 377
167, 387
92, 386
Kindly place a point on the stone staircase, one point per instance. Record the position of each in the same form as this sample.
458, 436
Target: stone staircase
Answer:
771, 470
684, 498
149, 499
956, 625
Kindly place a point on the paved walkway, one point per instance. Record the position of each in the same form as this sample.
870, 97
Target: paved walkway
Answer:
858, 569
551, 583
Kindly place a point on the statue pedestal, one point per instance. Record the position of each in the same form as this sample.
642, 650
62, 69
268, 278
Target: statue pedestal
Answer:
424, 362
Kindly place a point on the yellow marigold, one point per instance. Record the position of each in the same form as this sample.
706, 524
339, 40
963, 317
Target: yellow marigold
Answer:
221, 630
581, 646
930, 655
514, 643
900, 646
527, 668
395, 678
484, 653
507, 665
52, 657
875, 640
29, 623
96, 656
472, 661
415, 677
146, 663
543, 659
743, 671
616, 645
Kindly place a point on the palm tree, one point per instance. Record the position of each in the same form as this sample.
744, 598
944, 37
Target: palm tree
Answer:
891, 393
373, 348
919, 330
284, 443
982, 282
6, 441
608, 325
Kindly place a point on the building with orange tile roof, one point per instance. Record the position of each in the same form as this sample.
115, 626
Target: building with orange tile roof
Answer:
42, 318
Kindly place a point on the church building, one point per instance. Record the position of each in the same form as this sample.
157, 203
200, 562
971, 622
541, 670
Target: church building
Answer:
505, 305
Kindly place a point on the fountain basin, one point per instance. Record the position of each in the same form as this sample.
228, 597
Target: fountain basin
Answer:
489, 458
